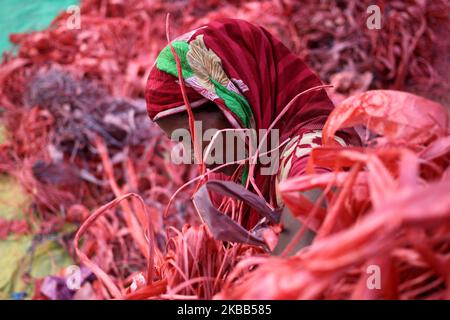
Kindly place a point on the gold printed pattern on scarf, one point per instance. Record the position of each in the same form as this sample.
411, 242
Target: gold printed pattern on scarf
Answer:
205, 64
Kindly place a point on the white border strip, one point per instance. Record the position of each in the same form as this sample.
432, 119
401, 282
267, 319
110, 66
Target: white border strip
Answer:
179, 109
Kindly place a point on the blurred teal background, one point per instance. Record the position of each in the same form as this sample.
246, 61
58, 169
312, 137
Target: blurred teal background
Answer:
27, 15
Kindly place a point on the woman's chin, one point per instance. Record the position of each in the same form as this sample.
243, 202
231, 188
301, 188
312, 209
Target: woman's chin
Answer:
227, 170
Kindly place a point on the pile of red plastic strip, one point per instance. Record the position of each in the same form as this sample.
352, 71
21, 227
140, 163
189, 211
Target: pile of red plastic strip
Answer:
80, 143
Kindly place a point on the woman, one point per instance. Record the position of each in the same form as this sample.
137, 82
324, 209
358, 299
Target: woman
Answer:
237, 75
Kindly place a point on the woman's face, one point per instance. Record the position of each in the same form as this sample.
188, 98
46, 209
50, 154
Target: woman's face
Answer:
211, 119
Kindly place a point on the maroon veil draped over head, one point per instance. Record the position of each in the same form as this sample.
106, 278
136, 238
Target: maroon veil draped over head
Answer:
265, 72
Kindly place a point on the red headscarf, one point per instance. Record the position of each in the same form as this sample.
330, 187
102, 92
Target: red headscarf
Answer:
258, 67
272, 74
